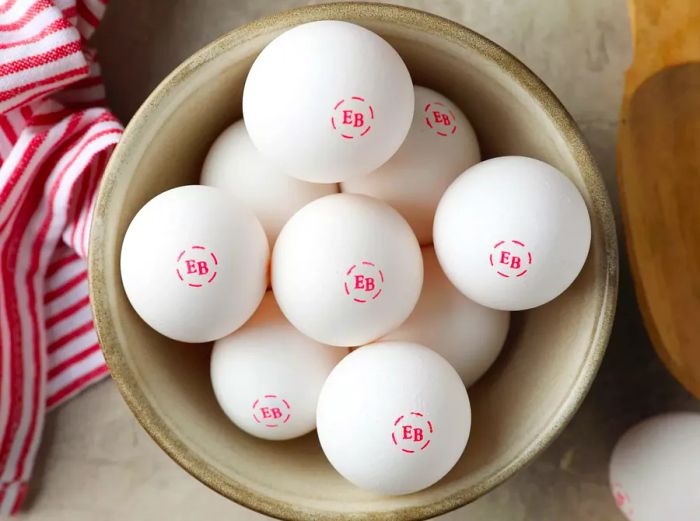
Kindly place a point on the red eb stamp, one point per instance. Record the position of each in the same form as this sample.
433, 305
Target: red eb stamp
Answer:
363, 282
352, 117
196, 266
412, 432
510, 258
271, 411
440, 118
622, 500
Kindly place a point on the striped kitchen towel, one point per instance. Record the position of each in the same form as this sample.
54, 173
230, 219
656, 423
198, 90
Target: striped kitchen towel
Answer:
55, 137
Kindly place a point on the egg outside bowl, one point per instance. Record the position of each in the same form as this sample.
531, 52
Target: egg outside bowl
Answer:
519, 407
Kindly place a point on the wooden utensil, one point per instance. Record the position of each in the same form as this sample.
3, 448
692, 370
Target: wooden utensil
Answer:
659, 178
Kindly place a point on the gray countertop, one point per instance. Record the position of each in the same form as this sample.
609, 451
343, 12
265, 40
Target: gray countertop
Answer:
97, 463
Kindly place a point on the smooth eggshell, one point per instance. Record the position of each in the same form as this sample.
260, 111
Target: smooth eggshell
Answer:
440, 145
393, 417
235, 165
346, 269
194, 263
267, 376
328, 100
655, 469
512, 233
468, 335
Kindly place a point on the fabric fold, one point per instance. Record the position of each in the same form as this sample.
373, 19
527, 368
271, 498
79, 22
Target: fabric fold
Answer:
56, 135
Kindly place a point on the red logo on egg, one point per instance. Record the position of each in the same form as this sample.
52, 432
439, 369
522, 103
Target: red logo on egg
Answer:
271, 411
196, 266
352, 117
510, 258
363, 282
412, 432
440, 118
622, 499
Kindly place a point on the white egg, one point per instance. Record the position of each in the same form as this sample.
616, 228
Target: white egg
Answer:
655, 469
267, 376
440, 145
393, 417
235, 165
512, 233
327, 101
346, 269
468, 335
194, 263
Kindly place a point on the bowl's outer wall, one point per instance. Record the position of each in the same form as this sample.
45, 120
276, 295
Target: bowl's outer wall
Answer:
552, 352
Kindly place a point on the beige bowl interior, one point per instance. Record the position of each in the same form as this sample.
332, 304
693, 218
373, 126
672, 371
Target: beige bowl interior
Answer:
552, 352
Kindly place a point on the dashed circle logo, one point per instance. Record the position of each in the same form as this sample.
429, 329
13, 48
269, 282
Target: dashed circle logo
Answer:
352, 117
412, 432
510, 258
440, 118
363, 282
196, 266
271, 411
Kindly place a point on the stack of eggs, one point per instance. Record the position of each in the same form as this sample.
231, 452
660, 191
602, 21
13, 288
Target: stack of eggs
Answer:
388, 238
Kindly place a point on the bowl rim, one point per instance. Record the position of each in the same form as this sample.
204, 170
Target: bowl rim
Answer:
601, 215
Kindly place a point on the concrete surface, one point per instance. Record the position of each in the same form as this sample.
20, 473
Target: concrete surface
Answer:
96, 463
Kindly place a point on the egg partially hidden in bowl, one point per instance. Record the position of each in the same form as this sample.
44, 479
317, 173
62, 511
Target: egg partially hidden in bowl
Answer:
167, 384
468, 335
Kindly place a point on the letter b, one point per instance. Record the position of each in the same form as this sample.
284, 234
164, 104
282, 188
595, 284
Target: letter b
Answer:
359, 119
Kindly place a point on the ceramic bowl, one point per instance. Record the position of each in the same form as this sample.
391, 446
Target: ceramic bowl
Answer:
523, 402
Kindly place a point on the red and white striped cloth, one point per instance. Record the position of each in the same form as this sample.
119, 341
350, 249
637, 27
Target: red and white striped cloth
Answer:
55, 138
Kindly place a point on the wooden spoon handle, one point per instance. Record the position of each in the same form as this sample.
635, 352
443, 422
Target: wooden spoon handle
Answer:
659, 178
665, 33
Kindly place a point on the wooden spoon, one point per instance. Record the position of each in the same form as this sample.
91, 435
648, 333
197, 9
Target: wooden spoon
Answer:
659, 178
